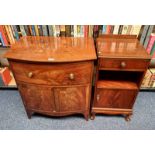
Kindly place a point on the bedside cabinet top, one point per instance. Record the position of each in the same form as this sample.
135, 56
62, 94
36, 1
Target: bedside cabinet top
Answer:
52, 49
118, 46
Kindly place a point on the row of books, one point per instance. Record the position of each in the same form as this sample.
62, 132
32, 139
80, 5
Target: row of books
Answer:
6, 77
10, 33
149, 79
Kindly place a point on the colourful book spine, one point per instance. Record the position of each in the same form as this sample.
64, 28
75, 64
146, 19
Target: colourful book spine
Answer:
108, 29
54, 30
3, 36
68, 30
16, 32
144, 33
78, 30
33, 30
22, 30
57, 28
129, 29
45, 33
116, 29
135, 30
99, 29
120, 29
27, 30
75, 30
125, 29
150, 43
104, 29
62, 30
11, 35
6, 35
36, 30
112, 29
40, 30
50, 30
85, 30
153, 51
148, 35
72, 31
82, 31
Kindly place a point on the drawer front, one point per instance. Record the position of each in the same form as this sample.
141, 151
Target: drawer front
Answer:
123, 64
122, 99
53, 74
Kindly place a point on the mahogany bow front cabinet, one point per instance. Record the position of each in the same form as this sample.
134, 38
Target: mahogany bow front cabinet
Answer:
122, 63
54, 74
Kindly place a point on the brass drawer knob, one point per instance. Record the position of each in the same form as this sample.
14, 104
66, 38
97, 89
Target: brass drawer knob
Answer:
123, 64
71, 76
54, 111
98, 97
30, 74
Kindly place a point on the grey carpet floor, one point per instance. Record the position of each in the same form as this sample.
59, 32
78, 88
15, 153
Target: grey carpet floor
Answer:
13, 116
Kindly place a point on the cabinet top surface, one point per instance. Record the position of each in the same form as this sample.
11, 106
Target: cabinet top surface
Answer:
121, 48
52, 49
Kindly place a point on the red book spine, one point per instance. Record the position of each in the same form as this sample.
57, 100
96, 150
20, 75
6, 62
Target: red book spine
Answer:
85, 30
108, 29
4, 37
6, 76
150, 43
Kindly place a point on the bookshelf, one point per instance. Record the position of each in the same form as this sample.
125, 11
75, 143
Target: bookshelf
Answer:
9, 34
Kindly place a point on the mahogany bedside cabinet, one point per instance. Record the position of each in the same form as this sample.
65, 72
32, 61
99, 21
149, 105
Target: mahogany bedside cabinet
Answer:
122, 63
53, 74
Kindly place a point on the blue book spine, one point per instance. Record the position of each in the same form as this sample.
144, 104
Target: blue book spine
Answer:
2, 39
33, 30
16, 32
104, 29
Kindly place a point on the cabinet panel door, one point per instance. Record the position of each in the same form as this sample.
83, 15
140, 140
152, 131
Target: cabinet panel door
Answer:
37, 97
123, 99
71, 98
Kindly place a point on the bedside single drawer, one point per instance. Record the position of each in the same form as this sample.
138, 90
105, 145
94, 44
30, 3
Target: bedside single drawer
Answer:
53, 74
123, 64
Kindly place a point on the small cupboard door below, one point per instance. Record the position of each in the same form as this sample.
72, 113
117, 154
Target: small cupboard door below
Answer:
115, 98
71, 98
37, 97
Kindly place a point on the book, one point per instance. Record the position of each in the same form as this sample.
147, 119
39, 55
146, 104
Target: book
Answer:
82, 31
135, 30
150, 29
95, 31
27, 30
36, 30
100, 29
112, 29
1, 43
144, 33
120, 29
78, 30
3, 36
152, 79
68, 30
150, 43
22, 29
124, 29
5, 74
57, 28
11, 35
44, 28
146, 79
1, 81
86, 30
104, 29
50, 30
40, 30
72, 31
75, 30
116, 29
108, 29
54, 30
91, 27
62, 30
129, 29
153, 51
33, 30
6, 35
16, 32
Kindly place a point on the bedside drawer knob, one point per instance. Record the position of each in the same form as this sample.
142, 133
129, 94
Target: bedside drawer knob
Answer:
30, 74
123, 64
71, 76
98, 97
